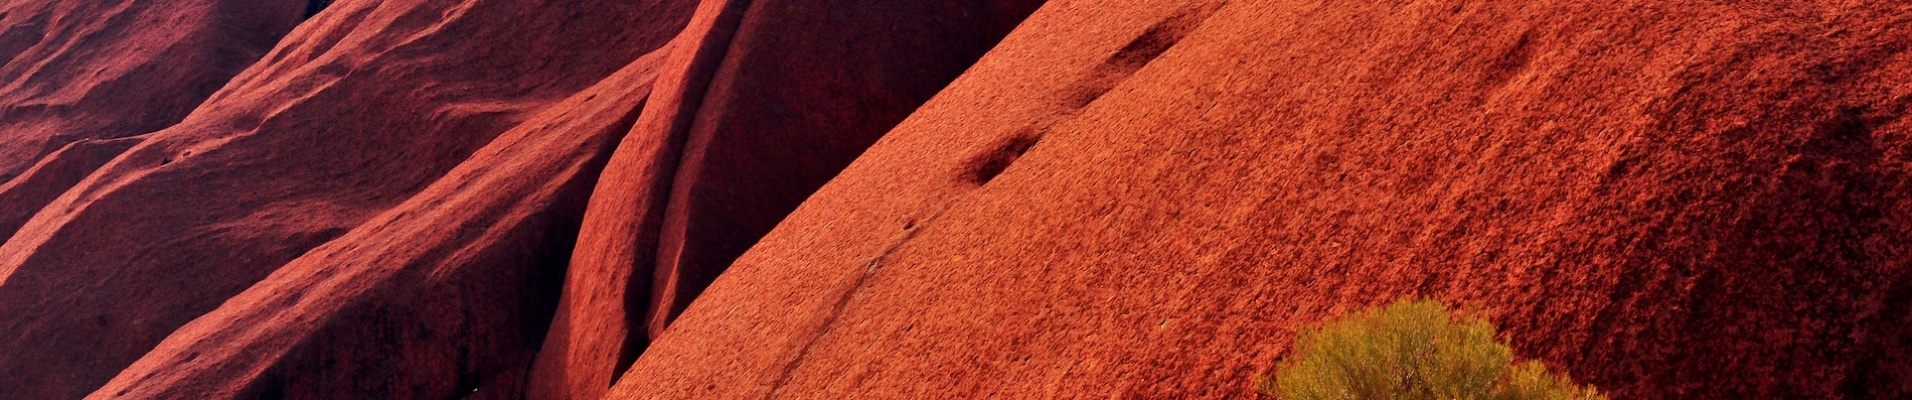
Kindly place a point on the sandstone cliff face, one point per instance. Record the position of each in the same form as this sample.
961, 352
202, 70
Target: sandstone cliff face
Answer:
305, 223
506, 199
443, 296
360, 109
53, 175
76, 71
1143, 200
762, 102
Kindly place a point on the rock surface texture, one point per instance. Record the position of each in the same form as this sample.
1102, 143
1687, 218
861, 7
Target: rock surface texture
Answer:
443, 296
77, 70
80, 71
762, 102
1145, 199
357, 111
743, 199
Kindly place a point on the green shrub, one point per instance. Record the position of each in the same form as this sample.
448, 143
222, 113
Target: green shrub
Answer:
1412, 349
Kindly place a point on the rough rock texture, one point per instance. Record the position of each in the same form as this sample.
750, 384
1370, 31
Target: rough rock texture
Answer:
77, 70
76, 76
360, 109
506, 199
444, 296
24, 195
764, 102
1144, 199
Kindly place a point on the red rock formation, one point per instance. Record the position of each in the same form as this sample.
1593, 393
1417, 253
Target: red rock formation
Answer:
1135, 199
359, 110
765, 101
1144, 199
77, 70
444, 296
21, 197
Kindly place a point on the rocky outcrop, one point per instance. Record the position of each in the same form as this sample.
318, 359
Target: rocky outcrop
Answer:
509, 199
1146, 199
362, 108
763, 102
443, 296
77, 78
79, 70
24, 195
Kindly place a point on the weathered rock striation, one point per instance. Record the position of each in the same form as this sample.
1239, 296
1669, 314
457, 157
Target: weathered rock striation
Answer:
443, 296
73, 73
358, 110
763, 102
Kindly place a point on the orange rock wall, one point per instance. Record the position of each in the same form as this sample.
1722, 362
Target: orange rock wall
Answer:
1145, 200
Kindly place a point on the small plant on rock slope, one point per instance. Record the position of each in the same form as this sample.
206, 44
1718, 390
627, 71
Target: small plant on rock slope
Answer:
1412, 349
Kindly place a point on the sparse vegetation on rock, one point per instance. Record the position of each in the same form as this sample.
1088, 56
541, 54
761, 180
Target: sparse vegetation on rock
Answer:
1413, 349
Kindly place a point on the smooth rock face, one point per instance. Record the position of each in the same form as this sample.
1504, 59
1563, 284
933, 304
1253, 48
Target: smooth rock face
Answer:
78, 70
762, 103
359, 110
1145, 199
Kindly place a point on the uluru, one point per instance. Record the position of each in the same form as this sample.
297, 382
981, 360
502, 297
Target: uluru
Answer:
890, 199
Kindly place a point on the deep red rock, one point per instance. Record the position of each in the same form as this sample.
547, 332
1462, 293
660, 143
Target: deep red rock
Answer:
504, 199
764, 102
24, 195
360, 108
443, 296
73, 73
78, 70
1146, 199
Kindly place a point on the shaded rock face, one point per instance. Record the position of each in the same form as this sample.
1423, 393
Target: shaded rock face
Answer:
762, 103
78, 70
1145, 199
358, 111
443, 296
75, 72
384, 205
53, 175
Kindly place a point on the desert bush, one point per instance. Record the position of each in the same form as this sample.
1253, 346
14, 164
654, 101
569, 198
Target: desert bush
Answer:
1412, 350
